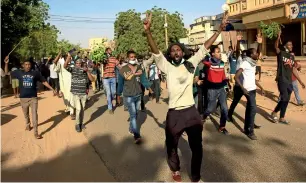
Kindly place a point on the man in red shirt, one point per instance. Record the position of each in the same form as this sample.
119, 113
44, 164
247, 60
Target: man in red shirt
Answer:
109, 78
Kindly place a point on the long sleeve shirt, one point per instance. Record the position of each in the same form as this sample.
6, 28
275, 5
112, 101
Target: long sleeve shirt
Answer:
179, 79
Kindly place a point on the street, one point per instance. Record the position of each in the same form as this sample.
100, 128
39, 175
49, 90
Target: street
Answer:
105, 151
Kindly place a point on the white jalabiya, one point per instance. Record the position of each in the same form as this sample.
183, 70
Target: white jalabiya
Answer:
65, 84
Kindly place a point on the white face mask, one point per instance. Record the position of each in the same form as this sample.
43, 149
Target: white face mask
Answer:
133, 62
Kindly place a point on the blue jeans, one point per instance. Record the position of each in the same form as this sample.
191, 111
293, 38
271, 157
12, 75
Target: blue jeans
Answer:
213, 96
110, 88
296, 91
133, 104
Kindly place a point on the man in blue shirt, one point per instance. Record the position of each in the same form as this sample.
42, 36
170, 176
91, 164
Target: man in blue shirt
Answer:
28, 91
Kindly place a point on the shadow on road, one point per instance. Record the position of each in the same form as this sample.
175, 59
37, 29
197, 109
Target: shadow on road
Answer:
55, 119
6, 108
96, 114
127, 162
5, 118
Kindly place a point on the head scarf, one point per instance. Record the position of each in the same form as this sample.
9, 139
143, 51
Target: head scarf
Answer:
189, 66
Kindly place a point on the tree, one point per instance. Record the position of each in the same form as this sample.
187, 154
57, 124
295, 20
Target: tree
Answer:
175, 23
40, 43
19, 18
129, 33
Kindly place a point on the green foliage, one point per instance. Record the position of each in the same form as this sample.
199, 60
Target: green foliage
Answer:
270, 30
39, 43
26, 20
17, 20
129, 31
97, 53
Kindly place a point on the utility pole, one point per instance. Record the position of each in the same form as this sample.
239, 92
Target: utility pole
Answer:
166, 31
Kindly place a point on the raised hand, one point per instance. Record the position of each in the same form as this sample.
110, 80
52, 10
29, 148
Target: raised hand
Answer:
239, 36
279, 33
259, 38
224, 21
6, 59
147, 21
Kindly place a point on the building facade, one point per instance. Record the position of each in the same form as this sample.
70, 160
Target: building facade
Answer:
204, 27
290, 13
93, 42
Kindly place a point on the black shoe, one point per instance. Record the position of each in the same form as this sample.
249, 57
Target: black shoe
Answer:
223, 130
252, 136
83, 126
137, 140
111, 112
230, 119
257, 126
78, 128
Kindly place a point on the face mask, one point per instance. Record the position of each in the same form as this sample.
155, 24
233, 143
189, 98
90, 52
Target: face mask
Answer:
133, 62
177, 64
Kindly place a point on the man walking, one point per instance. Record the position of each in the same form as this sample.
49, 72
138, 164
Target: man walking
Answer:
154, 78
182, 115
109, 79
285, 69
28, 92
79, 81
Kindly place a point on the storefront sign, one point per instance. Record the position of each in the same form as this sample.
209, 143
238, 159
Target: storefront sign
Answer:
298, 10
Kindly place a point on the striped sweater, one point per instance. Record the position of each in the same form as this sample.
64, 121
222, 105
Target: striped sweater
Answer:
109, 68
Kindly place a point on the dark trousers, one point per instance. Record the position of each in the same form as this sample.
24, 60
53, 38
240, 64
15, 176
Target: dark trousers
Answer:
55, 84
142, 98
238, 93
156, 88
202, 100
213, 96
285, 91
177, 122
98, 82
250, 112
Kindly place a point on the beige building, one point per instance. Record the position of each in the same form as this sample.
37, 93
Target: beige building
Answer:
203, 28
93, 42
290, 13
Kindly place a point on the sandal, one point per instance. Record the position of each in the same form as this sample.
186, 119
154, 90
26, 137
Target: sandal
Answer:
285, 122
274, 118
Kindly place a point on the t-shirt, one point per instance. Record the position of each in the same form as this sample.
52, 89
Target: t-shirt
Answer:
233, 64
53, 74
248, 76
79, 80
131, 87
195, 87
27, 82
14, 69
285, 64
179, 79
153, 74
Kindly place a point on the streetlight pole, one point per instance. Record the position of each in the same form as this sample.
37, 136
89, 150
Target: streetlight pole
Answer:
166, 31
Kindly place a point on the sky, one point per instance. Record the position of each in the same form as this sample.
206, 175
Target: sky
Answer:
107, 9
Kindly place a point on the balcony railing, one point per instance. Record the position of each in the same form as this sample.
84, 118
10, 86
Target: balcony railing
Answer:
245, 6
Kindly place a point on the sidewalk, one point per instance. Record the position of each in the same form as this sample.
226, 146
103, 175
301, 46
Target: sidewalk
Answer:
62, 154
